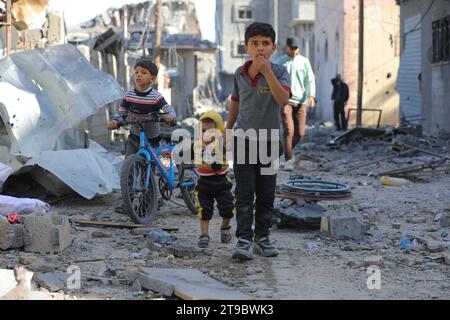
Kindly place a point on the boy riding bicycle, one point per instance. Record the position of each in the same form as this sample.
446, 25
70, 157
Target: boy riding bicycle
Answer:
139, 103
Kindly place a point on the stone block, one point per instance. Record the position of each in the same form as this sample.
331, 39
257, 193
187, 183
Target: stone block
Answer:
46, 233
343, 227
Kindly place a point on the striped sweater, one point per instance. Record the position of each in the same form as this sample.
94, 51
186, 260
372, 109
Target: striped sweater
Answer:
138, 104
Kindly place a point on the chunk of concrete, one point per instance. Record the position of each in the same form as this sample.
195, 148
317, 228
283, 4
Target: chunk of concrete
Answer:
46, 233
49, 281
343, 227
187, 284
181, 251
373, 261
11, 235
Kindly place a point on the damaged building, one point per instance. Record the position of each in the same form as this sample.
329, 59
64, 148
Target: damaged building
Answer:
115, 40
424, 77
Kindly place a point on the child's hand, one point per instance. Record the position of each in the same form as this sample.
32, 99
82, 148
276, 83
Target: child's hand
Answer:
113, 125
168, 119
262, 64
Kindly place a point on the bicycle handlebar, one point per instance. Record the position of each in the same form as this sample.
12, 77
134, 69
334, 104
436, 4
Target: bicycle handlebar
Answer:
154, 117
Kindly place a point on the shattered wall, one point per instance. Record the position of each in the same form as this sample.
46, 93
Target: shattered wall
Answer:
337, 51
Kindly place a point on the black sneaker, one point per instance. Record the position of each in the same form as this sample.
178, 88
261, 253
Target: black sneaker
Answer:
243, 250
265, 248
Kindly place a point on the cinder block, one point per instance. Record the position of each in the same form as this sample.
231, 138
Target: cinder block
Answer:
11, 235
343, 227
46, 233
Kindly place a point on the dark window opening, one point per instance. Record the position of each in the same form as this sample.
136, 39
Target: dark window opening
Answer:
241, 49
245, 14
441, 40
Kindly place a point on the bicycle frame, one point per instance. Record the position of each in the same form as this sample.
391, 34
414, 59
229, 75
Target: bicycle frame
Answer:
152, 155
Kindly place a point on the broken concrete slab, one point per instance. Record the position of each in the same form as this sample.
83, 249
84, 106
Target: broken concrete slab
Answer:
46, 233
343, 227
187, 284
49, 281
44, 267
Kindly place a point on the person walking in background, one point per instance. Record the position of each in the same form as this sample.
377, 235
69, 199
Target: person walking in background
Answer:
340, 97
303, 95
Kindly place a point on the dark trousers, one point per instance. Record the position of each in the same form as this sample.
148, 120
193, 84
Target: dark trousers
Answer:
251, 184
294, 126
213, 188
132, 144
339, 115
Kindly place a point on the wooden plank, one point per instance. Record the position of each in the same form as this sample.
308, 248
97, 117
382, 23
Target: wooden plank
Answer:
426, 151
108, 224
191, 284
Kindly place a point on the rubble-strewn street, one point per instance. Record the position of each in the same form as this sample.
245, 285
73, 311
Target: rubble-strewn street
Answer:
112, 159
311, 265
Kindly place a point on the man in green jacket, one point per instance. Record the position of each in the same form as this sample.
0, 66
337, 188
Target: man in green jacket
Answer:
303, 95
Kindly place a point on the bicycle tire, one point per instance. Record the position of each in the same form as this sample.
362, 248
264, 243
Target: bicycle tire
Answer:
133, 177
188, 193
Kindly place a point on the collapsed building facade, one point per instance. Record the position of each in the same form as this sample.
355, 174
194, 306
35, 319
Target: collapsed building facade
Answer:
114, 41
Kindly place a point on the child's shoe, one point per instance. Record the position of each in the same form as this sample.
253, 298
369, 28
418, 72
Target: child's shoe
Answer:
203, 242
225, 235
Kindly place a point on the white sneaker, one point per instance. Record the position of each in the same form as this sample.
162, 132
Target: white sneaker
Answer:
289, 165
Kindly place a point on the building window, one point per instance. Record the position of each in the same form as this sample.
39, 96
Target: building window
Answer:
243, 13
441, 40
238, 49
241, 49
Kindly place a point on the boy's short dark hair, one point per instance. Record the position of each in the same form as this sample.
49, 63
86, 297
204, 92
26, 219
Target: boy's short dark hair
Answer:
149, 65
260, 29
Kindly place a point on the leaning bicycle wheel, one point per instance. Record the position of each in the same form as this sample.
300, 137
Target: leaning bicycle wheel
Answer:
188, 179
140, 203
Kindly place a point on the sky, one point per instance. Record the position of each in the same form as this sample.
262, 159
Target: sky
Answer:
82, 10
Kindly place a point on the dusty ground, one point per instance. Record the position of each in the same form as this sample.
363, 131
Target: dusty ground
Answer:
332, 270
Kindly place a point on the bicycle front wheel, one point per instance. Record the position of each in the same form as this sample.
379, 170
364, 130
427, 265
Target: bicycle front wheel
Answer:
140, 201
188, 179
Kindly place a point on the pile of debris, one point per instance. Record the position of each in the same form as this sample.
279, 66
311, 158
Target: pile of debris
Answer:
44, 96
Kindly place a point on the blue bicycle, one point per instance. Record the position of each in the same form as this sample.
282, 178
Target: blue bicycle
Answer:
140, 172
